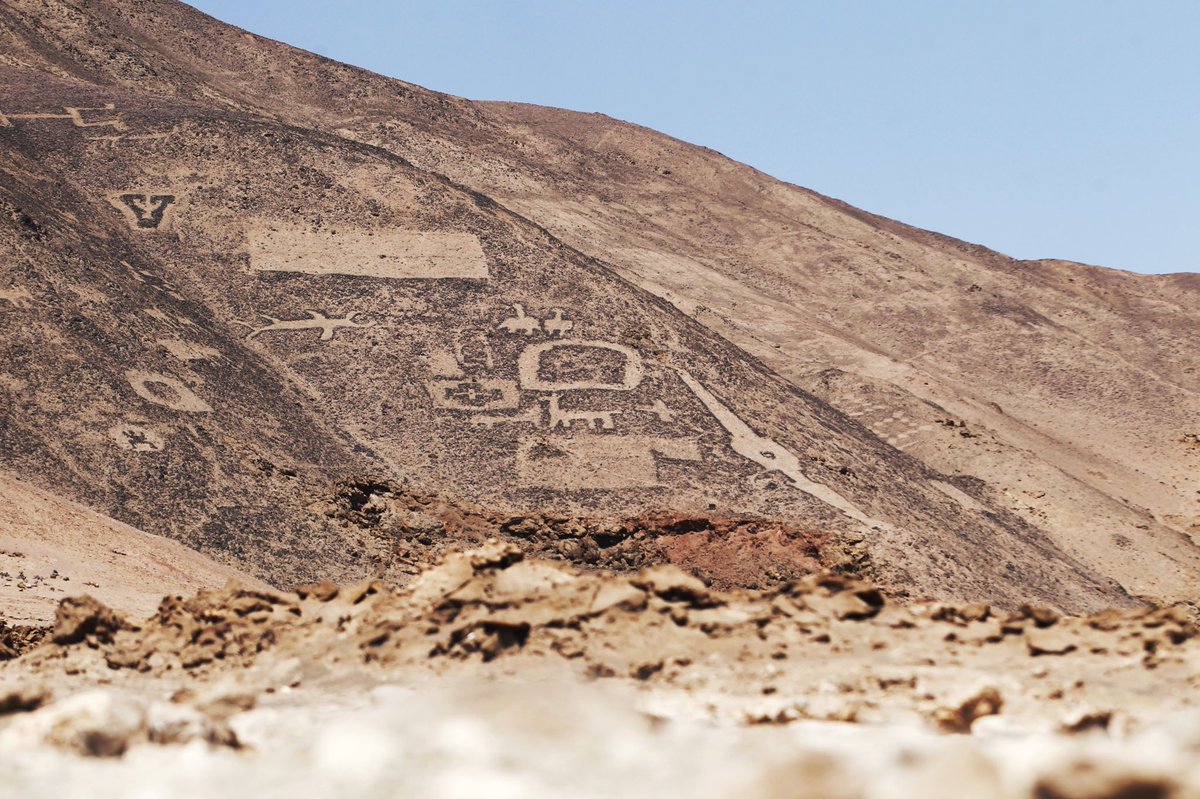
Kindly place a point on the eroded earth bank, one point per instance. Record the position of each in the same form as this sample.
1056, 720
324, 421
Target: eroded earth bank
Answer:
493, 674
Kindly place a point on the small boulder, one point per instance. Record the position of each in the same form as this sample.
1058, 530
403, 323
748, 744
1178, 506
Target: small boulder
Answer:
673, 584
986, 702
1049, 641
82, 618
617, 593
321, 592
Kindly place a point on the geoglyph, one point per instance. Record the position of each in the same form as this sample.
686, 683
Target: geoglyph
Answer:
166, 391
395, 254
770, 455
146, 211
622, 461
316, 321
104, 118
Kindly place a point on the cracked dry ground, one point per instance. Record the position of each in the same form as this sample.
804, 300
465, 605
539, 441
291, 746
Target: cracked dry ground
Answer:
812, 679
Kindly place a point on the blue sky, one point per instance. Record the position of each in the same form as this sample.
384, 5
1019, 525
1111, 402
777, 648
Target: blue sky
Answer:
1040, 128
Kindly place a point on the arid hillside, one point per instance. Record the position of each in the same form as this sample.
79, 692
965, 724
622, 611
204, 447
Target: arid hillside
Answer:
51, 549
235, 273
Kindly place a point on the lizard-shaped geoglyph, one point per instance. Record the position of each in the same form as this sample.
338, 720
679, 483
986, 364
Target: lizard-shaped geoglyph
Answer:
316, 321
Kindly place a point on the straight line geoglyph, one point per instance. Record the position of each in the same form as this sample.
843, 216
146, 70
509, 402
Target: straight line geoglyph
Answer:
770, 455
74, 113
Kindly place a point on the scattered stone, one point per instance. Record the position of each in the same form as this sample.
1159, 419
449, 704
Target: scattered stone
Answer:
1050, 641
1042, 617
82, 617
22, 699
674, 585
321, 592
15, 641
617, 594
1103, 780
1098, 720
106, 723
95, 724
977, 612
987, 702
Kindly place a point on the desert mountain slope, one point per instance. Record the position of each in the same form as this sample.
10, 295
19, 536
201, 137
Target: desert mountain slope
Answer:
51, 548
234, 270
1072, 391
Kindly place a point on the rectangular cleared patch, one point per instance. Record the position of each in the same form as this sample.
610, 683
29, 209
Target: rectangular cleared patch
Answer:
598, 461
397, 254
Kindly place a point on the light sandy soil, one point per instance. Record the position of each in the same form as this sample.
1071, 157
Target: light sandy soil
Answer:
496, 674
528, 739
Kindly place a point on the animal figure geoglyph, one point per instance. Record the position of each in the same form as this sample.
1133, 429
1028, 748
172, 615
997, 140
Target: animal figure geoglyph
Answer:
316, 321
520, 323
561, 418
556, 326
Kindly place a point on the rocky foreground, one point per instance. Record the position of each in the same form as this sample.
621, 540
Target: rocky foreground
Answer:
532, 678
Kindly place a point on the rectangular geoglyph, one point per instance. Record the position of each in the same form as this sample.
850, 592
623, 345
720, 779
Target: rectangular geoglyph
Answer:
389, 254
